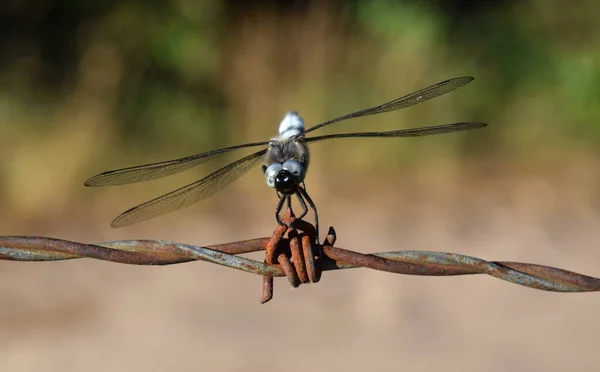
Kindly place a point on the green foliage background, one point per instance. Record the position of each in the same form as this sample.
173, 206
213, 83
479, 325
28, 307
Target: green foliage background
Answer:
90, 85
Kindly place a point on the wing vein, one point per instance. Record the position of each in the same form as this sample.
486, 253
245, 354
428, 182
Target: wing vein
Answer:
189, 194
412, 132
411, 99
161, 169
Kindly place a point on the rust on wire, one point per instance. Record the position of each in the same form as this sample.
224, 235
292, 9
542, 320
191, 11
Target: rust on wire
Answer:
296, 258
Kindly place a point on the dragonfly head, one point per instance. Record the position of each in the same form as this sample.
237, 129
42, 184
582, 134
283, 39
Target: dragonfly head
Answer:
285, 177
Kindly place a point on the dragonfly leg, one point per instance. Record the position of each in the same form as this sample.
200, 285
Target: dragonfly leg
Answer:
282, 199
304, 194
289, 202
303, 204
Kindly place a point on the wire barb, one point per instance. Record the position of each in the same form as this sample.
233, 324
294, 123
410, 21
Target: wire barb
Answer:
296, 257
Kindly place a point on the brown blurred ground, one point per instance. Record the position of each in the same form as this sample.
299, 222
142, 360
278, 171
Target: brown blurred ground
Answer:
96, 316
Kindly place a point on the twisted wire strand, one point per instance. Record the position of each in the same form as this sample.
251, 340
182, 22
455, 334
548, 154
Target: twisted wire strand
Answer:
427, 263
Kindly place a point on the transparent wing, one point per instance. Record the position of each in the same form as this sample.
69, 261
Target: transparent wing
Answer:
189, 194
157, 170
422, 95
162, 169
413, 132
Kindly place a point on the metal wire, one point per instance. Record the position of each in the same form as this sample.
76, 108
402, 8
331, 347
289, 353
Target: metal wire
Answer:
295, 257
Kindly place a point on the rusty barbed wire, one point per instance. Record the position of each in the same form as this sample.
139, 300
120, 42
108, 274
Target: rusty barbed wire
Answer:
295, 257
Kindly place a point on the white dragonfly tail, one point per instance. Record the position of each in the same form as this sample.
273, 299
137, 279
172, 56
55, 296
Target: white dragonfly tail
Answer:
291, 125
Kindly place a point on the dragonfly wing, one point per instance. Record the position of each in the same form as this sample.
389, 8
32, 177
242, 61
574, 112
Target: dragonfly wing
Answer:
412, 132
422, 95
157, 170
189, 194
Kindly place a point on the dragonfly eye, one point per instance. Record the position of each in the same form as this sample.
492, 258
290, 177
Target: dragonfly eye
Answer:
295, 168
271, 172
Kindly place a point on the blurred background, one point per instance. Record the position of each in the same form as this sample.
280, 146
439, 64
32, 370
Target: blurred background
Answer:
88, 86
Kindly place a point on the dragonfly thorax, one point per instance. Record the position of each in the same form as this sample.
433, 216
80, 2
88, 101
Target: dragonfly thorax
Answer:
286, 160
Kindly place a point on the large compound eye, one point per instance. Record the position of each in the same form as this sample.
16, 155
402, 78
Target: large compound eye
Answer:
270, 173
295, 168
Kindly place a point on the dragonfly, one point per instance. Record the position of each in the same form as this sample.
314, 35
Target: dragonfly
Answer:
285, 160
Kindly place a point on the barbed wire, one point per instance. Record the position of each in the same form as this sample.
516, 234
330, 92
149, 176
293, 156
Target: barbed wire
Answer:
295, 257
